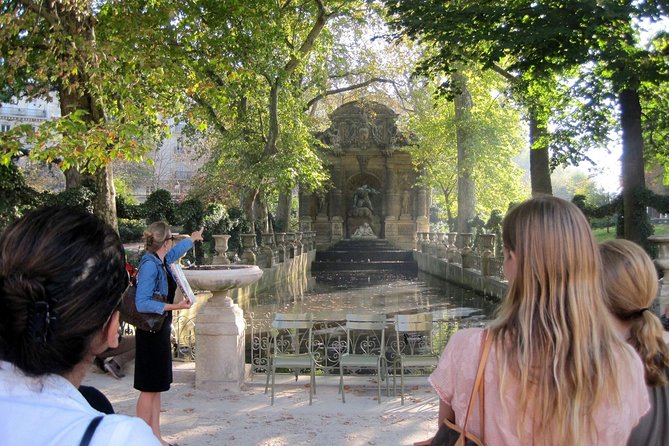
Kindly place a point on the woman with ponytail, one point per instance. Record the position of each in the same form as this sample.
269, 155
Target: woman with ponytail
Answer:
630, 281
153, 363
62, 274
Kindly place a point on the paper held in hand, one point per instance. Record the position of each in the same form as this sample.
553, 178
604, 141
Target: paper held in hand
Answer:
183, 284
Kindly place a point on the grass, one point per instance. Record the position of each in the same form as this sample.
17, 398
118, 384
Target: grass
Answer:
602, 235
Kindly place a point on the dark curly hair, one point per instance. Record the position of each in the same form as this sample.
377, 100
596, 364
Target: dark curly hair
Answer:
61, 276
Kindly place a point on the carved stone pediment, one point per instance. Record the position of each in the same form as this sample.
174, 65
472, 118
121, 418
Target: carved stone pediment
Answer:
361, 126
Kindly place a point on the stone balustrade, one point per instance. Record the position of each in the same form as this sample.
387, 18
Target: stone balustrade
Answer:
458, 258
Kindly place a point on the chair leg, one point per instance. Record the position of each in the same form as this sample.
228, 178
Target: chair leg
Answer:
313, 375
312, 387
385, 372
402, 382
273, 376
341, 383
378, 380
394, 378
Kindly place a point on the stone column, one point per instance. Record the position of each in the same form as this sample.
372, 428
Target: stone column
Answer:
392, 200
422, 219
304, 199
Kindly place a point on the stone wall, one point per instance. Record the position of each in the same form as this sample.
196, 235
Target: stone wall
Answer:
452, 257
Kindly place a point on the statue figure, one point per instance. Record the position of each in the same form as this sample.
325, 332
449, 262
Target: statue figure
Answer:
364, 231
405, 203
361, 197
322, 204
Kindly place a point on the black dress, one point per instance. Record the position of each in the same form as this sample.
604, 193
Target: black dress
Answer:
153, 360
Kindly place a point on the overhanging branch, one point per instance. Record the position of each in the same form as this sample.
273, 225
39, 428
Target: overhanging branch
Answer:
348, 88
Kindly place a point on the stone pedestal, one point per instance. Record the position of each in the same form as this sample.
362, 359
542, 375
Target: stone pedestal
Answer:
220, 329
336, 229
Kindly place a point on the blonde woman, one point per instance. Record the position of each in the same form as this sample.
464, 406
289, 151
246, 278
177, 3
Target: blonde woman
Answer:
630, 282
153, 363
557, 373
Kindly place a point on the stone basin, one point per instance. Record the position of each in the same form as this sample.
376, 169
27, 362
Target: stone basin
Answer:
218, 278
220, 326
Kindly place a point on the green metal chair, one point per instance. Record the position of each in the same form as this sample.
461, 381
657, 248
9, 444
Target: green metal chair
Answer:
413, 334
290, 347
365, 348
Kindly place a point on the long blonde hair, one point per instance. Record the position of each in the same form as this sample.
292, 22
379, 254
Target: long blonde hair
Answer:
630, 281
553, 333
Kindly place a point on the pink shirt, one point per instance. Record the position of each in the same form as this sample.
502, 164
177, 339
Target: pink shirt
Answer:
453, 380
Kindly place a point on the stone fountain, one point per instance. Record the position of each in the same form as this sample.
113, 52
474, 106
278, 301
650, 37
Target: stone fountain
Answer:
220, 326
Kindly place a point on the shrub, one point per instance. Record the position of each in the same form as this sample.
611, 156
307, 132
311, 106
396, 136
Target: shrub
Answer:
159, 206
16, 197
76, 197
130, 230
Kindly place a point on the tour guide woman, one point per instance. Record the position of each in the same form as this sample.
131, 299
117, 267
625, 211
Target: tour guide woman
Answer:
153, 363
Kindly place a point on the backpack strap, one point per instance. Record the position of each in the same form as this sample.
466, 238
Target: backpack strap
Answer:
90, 431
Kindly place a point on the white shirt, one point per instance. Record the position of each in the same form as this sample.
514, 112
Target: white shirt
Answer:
49, 410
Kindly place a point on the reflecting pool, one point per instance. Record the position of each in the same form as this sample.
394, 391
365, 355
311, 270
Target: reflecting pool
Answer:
331, 295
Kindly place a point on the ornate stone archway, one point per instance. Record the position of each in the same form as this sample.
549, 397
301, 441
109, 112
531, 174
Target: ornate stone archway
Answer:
373, 179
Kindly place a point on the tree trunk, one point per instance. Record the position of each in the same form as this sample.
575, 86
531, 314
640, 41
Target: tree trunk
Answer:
283, 211
247, 198
72, 178
260, 210
540, 174
634, 212
104, 204
466, 187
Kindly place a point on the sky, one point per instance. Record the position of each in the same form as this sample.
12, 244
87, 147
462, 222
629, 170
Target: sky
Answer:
607, 169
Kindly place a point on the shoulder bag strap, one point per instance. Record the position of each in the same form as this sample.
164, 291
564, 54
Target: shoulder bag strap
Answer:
90, 431
486, 340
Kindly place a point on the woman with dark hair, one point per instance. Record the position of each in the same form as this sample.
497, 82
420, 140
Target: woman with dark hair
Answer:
153, 363
61, 279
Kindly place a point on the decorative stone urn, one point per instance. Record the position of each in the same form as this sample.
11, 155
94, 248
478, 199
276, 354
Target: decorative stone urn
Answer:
487, 245
290, 245
298, 244
442, 251
425, 242
248, 244
466, 252
220, 326
662, 261
280, 246
221, 248
451, 249
267, 249
177, 239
